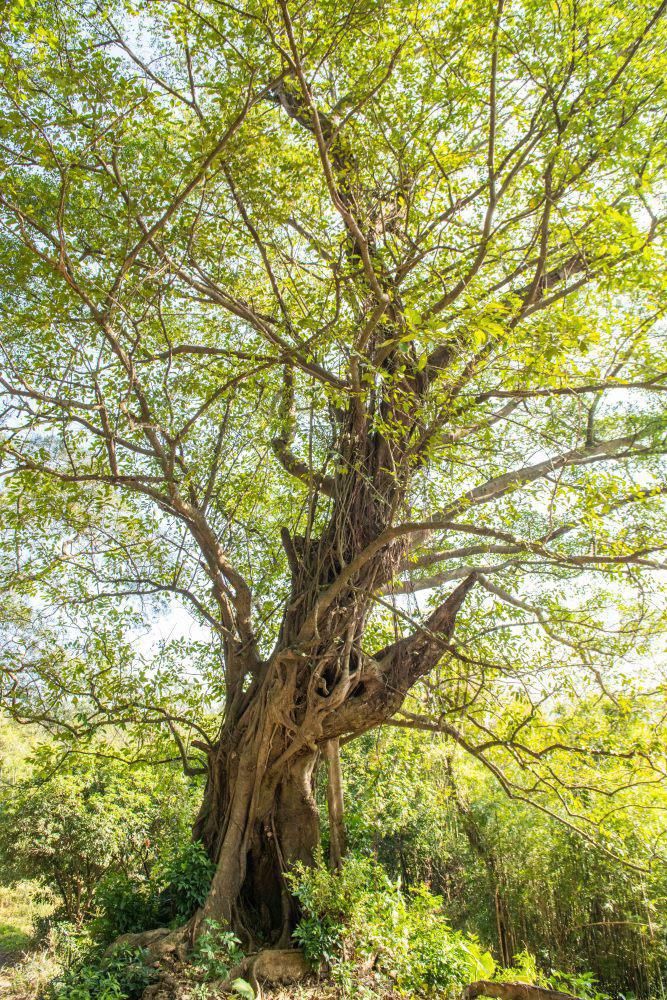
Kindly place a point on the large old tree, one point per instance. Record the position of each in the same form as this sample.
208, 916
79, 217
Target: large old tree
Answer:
341, 324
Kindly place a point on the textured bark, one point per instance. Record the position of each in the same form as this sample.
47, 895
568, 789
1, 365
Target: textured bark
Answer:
257, 820
259, 815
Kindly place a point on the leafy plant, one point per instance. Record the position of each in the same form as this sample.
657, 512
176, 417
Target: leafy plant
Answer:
243, 989
125, 905
185, 878
320, 939
358, 917
580, 984
216, 951
88, 827
123, 975
522, 970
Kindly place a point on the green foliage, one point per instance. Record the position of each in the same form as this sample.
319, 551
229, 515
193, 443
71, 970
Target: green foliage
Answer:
344, 911
175, 249
70, 945
320, 939
364, 918
464, 294
430, 815
522, 970
217, 950
90, 828
427, 955
124, 905
21, 906
579, 984
185, 877
243, 989
123, 975
176, 886
358, 919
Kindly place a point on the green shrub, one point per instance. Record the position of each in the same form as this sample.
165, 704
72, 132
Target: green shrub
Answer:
69, 824
426, 954
581, 984
177, 886
68, 943
125, 905
342, 911
123, 975
216, 951
358, 918
184, 879
320, 939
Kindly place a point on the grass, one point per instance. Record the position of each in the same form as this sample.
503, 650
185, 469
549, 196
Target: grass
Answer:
19, 906
24, 972
12, 939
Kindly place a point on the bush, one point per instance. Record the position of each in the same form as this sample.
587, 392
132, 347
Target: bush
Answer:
29, 979
427, 955
177, 887
68, 943
125, 905
582, 984
216, 951
70, 824
358, 919
185, 879
123, 975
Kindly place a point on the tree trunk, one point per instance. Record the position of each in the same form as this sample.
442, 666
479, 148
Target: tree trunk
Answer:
258, 818
259, 815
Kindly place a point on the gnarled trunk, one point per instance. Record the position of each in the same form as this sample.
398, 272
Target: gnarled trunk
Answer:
258, 818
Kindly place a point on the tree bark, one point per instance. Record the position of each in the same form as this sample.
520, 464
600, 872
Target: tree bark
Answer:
259, 816
319, 684
267, 823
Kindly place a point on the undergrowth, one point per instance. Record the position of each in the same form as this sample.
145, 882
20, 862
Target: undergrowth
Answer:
372, 936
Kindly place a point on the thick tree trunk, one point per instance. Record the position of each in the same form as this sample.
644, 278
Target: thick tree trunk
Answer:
259, 818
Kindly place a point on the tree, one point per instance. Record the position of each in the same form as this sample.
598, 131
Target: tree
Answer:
340, 323
69, 824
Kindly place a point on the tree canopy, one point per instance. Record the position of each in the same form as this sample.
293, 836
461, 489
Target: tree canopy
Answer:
342, 325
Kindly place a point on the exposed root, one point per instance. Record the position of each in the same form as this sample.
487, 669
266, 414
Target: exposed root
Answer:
158, 942
271, 966
512, 991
